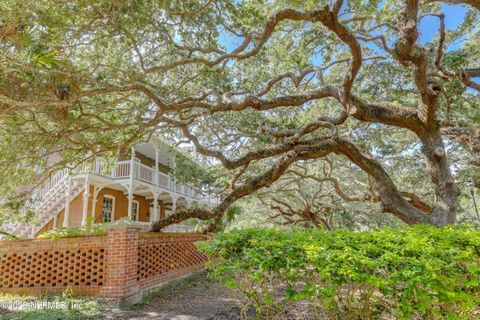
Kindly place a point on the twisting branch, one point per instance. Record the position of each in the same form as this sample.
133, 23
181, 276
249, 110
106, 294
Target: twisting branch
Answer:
408, 52
392, 200
237, 176
336, 186
441, 41
193, 12
9, 235
175, 82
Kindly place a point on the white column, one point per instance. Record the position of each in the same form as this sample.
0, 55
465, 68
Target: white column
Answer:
55, 218
156, 214
94, 201
157, 153
66, 211
94, 206
130, 185
174, 176
86, 196
132, 161
130, 201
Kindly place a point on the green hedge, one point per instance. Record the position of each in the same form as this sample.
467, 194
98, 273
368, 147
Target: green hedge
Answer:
59, 233
421, 272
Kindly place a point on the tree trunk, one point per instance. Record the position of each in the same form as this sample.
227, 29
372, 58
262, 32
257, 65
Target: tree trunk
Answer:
446, 192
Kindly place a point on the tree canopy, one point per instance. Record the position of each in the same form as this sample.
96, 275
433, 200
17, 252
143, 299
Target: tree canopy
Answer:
263, 90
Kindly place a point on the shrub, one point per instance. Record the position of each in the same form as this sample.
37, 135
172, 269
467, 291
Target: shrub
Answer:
59, 233
417, 272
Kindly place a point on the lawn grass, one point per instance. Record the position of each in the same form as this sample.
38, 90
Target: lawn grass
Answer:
48, 314
74, 308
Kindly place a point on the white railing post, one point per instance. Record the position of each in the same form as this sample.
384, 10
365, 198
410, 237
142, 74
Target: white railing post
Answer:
156, 215
66, 212
130, 187
156, 166
55, 221
96, 190
86, 196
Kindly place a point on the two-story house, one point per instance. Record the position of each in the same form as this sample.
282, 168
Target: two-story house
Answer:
140, 187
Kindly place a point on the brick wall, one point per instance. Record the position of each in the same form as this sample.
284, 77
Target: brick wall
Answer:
121, 205
165, 256
120, 264
52, 266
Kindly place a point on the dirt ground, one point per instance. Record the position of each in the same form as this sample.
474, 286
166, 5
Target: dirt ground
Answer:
194, 298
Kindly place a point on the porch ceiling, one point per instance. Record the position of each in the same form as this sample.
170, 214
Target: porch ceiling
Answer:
148, 150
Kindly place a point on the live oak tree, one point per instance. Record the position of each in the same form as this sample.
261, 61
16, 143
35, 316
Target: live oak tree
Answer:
256, 87
323, 194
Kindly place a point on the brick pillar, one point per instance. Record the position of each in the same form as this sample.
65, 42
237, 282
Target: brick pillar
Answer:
121, 261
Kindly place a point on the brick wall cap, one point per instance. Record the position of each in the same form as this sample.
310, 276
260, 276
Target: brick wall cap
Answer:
150, 234
124, 224
72, 239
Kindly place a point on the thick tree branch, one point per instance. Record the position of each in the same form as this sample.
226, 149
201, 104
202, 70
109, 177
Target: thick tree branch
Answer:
392, 200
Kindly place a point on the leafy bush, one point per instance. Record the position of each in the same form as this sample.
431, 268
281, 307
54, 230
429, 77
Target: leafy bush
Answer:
7, 236
422, 272
59, 233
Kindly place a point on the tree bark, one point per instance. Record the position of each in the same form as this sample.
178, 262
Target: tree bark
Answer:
446, 192
391, 198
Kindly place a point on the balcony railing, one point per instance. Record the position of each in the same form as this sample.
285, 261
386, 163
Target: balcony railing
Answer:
48, 196
141, 172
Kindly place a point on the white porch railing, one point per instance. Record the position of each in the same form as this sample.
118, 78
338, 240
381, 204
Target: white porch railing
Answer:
146, 226
141, 172
121, 170
48, 198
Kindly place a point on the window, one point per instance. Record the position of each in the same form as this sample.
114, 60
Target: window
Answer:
108, 208
135, 207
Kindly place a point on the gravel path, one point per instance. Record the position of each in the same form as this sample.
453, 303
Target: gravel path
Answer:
194, 298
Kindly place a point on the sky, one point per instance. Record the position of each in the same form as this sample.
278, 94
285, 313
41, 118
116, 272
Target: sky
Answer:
428, 27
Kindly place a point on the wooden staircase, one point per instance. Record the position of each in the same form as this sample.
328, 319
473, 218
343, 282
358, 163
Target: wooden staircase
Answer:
48, 201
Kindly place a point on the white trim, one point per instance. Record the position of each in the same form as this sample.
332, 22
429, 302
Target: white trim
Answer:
86, 197
109, 196
151, 212
138, 209
131, 188
66, 211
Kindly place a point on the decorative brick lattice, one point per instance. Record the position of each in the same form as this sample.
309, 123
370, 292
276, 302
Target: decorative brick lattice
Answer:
119, 264
157, 256
58, 267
